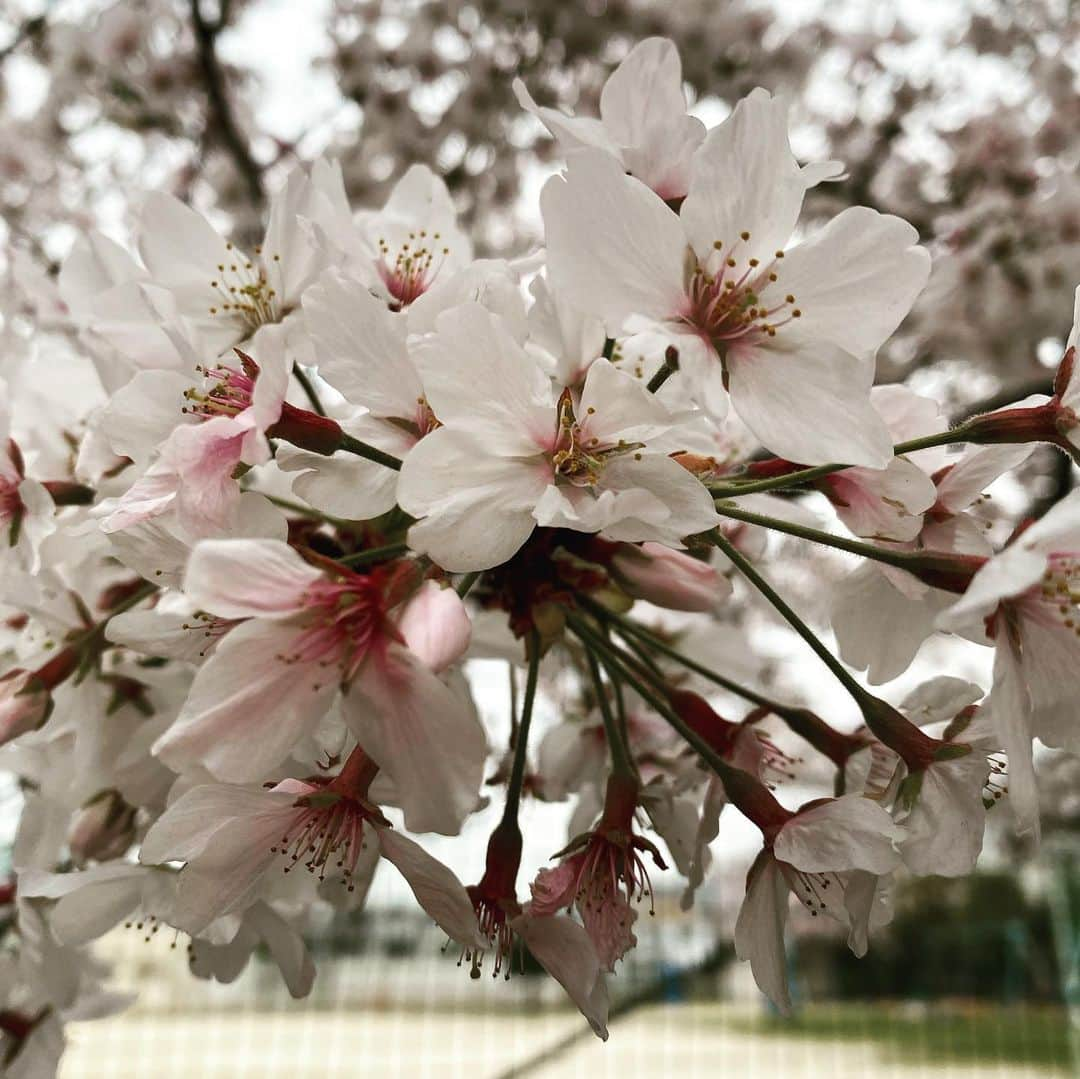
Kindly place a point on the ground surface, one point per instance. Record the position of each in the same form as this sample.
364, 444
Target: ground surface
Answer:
675, 1040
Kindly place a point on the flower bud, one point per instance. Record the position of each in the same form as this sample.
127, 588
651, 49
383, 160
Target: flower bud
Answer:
104, 828
669, 578
24, 704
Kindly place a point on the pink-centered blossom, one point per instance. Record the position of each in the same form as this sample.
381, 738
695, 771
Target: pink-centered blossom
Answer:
308, 633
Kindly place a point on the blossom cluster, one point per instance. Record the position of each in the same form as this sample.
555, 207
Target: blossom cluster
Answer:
268, 503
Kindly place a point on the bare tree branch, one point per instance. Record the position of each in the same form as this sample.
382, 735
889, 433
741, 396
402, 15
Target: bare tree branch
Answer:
221, 116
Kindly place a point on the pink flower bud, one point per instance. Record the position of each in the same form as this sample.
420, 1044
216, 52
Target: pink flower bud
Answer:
24, 704
104, 828
669, 578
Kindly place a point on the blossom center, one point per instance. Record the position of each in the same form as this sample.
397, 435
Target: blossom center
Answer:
578, 457
409, 271
343, 618
1058, 595
731, 297
226, 391
247, 295
326, 830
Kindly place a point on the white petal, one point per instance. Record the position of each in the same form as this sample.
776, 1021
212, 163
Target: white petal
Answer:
360, 346
249, 705
945, 826
477, 507
975, 471
183, 831
437, 890
856, 279
476, 375
612, 243
614, 405
573, 132
744, 178
141, 415
286, 947
851, 832
809, 403
878, 628
1007, 574
883, 503
564, 950
643, 106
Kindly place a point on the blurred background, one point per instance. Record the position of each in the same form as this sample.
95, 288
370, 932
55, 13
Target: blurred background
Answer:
963, 117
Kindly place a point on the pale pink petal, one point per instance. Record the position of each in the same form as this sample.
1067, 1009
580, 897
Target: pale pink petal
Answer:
427, 737
248, 578
759, 930
808, 402
612, 243
744, 179
856, 279
286, 947
249, 705
436, 888
564, 950
435, 624
851, 832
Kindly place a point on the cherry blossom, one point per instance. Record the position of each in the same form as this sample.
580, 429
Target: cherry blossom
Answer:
497, 468
748, 317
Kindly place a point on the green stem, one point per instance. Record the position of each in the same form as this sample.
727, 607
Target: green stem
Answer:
362, 449
860, 695
628, 628
899, 559
374, 554
309, 388
621, 762
464, 586
301, 510
808, 475
517, 770
616, 662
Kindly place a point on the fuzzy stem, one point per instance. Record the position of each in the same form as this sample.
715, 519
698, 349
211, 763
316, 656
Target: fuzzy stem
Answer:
464, 586
628, 628
309, 388
796, 623
749, 795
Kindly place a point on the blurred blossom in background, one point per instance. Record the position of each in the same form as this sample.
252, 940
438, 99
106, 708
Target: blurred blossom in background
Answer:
961, 117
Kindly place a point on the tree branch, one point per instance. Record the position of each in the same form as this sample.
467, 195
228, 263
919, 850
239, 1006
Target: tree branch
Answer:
221, 116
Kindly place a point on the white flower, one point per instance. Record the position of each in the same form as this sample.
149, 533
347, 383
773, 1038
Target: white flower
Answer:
231, 837
643, 122
400, 251
824, 854
882, 615
790, 334
306, 634
512, 453
1026, 601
